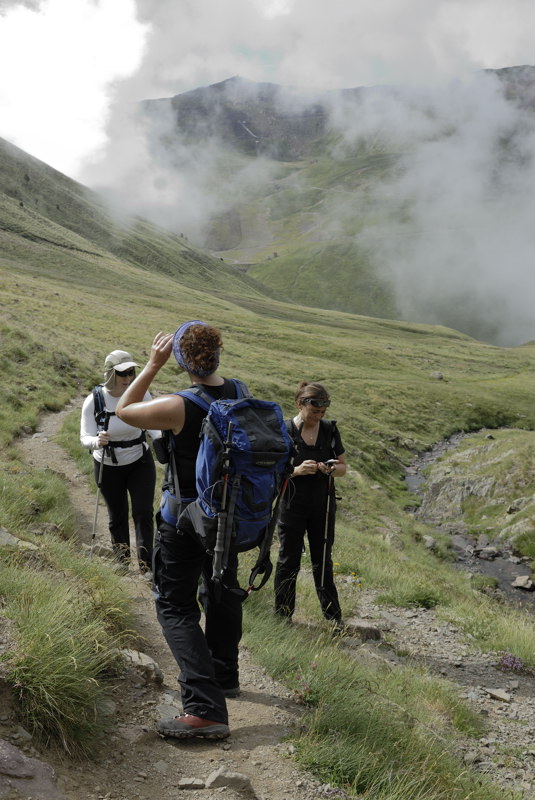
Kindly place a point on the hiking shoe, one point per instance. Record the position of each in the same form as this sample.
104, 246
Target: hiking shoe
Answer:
234, 691
338, 627
187, 726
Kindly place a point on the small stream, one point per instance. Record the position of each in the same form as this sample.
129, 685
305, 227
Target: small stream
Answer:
414, 477
505, 567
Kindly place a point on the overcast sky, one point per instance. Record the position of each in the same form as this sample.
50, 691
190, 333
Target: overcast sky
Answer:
63, 63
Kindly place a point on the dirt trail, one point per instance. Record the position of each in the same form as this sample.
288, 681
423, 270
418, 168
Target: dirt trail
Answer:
136, 762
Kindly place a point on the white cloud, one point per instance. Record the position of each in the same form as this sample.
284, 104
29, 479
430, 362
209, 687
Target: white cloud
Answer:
59, 62
452, 229
63, 62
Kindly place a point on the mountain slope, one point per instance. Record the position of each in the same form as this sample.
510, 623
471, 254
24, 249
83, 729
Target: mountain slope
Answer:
52, 215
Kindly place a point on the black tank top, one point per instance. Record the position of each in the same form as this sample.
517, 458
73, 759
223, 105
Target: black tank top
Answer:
187, 442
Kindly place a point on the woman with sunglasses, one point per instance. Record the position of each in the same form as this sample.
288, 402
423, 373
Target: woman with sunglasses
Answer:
311, 506
123, 463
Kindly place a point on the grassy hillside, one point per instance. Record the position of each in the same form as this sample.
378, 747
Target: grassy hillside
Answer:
299, 237
67, 229
70, 295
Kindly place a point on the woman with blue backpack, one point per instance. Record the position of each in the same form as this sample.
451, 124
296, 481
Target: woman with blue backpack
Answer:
208, 659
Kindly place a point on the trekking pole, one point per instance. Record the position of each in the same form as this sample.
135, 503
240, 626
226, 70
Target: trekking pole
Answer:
326, 533
329, 491
99, 483
220, 543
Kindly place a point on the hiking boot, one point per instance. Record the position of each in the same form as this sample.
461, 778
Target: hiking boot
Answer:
234, 691
338, 627
187, 726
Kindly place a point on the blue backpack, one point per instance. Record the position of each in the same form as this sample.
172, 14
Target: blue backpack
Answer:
243, 465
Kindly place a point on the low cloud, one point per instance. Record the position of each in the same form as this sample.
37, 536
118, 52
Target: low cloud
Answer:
452, 229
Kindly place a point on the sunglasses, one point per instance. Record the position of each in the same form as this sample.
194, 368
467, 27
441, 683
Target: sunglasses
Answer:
126, 373
312, 401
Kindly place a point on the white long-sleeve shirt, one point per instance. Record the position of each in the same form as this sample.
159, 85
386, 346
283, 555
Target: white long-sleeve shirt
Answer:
119, 431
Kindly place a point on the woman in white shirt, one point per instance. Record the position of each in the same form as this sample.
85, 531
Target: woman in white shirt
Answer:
123, 462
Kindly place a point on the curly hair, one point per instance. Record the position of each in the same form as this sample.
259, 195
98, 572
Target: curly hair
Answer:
200, 346
307, 389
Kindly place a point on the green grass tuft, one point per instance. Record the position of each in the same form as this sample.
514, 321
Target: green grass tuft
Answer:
67, 632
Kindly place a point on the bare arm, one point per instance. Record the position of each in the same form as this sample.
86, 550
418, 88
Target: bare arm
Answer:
162, 413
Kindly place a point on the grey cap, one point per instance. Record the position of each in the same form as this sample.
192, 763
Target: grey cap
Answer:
116, 361
119, 360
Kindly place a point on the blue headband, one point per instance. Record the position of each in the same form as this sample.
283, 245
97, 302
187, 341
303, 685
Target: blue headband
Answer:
177, 352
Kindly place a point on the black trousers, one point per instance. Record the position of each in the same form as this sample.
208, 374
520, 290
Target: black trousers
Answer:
295, 523
208, 660
137, 480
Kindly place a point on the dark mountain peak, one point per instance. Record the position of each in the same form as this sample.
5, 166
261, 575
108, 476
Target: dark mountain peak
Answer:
254, 117
518, 83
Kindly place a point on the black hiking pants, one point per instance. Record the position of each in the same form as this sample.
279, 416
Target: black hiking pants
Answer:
139, 481
296, 521
208, 659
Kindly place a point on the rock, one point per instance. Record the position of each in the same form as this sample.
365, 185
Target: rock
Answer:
472, 757
191, 783
429, 543
488, 553
45, 528
438, 376
98, 550
518, 504
232, 780
24, 777
364, 629
499, 694
135, 734
143, 664
23, 735
523, 582
393, 540
8, 540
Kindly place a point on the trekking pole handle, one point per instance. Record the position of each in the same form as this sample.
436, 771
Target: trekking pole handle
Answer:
105, 450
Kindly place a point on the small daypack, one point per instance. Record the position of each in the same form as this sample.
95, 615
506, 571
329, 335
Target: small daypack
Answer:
102, 418
242, 469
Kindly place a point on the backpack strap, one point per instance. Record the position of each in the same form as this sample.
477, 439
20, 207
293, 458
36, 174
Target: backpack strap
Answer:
198, 396
241, 388
102, 418
173, 468
263, 564
102, 415
332, 423
204, 400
